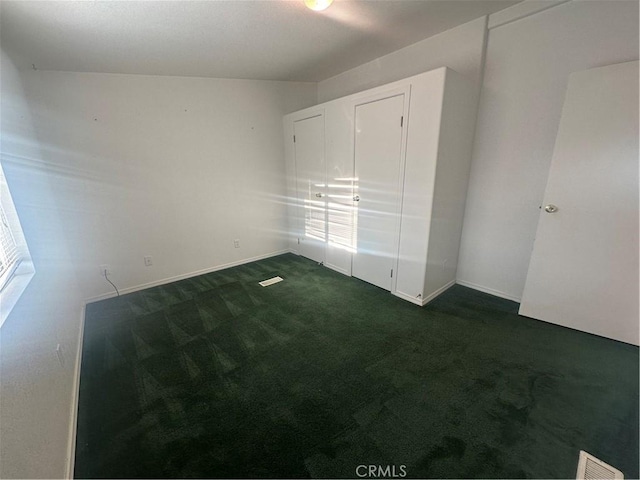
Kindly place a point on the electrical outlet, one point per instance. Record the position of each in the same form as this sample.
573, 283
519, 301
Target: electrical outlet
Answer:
105, 270
148, 261
236, 243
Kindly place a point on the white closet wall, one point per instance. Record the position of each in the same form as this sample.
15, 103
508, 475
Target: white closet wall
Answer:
396, 162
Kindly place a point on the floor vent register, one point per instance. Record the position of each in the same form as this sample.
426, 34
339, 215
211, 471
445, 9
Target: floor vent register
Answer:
591, 468
270, 281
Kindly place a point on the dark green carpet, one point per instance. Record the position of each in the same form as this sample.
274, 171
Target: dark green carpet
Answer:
216, 376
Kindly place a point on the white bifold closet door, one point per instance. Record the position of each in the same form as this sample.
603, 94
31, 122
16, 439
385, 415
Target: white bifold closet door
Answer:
378, 145
310, 174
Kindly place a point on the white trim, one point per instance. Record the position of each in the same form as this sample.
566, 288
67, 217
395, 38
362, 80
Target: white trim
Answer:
521, 10
15, 287
337, 269
408, 298
71, 453
7, 275
184, 276
306, 114
423, 301
433, 295
490, 291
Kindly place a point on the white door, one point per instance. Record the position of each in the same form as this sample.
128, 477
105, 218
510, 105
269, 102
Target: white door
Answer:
310, 174
378, 142
583, 272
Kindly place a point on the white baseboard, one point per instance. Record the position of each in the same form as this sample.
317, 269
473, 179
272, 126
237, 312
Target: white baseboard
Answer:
335, 268
338, 269
490, 291
433, 295
423, 301
71, 449
408, 298
184, 276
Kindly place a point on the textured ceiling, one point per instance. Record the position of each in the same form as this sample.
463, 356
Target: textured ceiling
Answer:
265, 39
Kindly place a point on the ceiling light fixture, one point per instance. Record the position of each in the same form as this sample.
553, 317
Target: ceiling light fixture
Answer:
317, 5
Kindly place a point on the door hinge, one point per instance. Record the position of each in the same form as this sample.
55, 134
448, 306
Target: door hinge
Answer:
294, 139
401, 120
392, 273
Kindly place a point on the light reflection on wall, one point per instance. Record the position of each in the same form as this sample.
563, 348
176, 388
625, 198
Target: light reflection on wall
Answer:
333, 216
315, 216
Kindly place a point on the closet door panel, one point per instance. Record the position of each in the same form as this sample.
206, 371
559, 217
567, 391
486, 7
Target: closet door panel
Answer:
340, 209
310, 174
378, 143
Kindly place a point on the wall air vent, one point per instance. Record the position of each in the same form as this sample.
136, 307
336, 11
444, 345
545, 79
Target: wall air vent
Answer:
590, 468
271, 281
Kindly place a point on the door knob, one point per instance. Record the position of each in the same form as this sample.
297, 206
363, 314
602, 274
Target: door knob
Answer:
356, 198
550, 208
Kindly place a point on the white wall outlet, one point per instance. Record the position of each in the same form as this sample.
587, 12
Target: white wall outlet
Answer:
236, 243
105, 270
148, 261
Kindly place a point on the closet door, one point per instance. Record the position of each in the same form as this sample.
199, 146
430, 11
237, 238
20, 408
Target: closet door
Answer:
378, 144
310, 174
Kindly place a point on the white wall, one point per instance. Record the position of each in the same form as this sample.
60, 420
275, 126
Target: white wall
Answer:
172, 167
37, 389
459, 49
105, 169
528, 63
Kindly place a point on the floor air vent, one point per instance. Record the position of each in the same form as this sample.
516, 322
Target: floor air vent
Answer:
271, 281
590, 468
